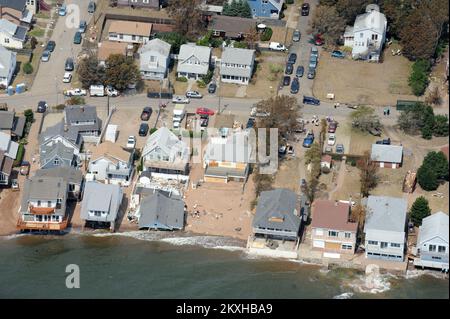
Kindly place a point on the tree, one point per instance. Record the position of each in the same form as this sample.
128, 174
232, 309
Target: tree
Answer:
418, 80
313, 158
440, 125
434, 97
364, 119
428, 122
187, 16
121, 71
367, 174
358, 215
434, 168
411, 120
29, 115
427, 178
33, 43
419, 210
349, 9
27, 68
175, 39
263, 182
90, 73
323, 131
328, 23
244, 9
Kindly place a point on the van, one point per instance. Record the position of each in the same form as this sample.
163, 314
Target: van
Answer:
97, 90
310, 100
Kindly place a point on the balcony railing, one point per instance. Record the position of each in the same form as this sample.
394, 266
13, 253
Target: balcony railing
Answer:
28, 225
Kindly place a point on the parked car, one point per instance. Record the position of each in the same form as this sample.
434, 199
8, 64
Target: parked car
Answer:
69, 66
310, 100
251, 122
300, 71
50, 46
180, 99
338, 54
82, 27
332, 127
91, 7
305, 9
204, 111
257, 113
313, 62
282, 150
311, 73
286, 80
296, 36
131, 142
309, 140
318, 40
384, 142
289, 68
194, 94
67, 77
340, 149
75, 92
212, 88
143, 129
295, 86
292, 58
277, 46
77, 37
314, 52
146, 113
62, 10
331, 139
45, 56
204, 121
15, 185
110, 91
42, 107
25, 168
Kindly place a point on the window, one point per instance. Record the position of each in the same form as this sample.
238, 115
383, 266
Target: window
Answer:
49, 203
347, 247
374, 36
396, 245
361, 35
384, 244
133, 37
333, 233
432, 248
6, 40
39, 203
373, 242
436, 258
56, 161
348, 235
441, 249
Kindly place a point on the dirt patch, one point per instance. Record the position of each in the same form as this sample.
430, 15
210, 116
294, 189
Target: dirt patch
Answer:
363, 82
360, 141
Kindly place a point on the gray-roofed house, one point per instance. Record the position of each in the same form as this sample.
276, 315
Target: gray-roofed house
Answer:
57, 155
193, 61
59, 133
154, 59
231, 27
7, 66
385, 227
165, 155
11, 35
43, 204
389, 156
72, 176
10, 123
100, 205
6, 166
161, 211
83, 118
368, 34
228, 159
278, 215
236, 65
432, 242
8, 146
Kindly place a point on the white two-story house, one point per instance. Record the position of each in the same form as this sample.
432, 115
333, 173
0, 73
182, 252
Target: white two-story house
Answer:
193, 61
154, 59
11, 35
368, 34
236, 65
7, 66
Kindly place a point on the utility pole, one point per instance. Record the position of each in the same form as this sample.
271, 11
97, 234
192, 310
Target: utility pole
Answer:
218, 112
107, 104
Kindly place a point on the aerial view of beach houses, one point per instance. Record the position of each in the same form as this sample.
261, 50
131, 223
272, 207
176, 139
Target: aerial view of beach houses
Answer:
308, 131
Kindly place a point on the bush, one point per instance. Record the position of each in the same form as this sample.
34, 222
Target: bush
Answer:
29, 115
419, 210
27, 68
241, 45
427, 178
20, 153
418, 80
60, 107
208, 77
267, 34
181, 79
153, 130
201, 84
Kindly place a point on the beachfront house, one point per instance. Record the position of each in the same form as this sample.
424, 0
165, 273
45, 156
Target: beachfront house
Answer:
161, 210
387, 156
432, 242
266, 8
228, 159
72, 176
166, 155
11, 35
57, 155
236, 65
154, 59
385, 228
227, 27
111, 164
193, 61
100, 205
331, 230
129, 31
43, 204
368, 34
12, 124
7, 66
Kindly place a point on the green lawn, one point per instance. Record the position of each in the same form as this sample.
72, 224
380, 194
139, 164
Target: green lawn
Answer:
36, 32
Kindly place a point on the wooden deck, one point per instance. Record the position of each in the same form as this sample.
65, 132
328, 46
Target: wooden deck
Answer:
21, 225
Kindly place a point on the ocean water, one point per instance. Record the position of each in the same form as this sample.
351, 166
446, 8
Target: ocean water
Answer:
149, 265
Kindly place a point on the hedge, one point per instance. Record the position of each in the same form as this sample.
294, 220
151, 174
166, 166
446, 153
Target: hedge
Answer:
181, 79
20, 153
27, 68
267, 34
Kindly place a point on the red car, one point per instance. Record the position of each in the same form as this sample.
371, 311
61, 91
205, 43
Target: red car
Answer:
204, 111
318, 40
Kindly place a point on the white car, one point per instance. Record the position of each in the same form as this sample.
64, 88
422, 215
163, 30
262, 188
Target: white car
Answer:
194, 94
331, 139
75, 92
180, 99
256, 113
110, 91
67, 77
131, 142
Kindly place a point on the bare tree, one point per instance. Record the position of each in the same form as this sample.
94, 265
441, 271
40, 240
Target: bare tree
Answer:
312, 160
187, 16
368, 174
328, 23
434, 97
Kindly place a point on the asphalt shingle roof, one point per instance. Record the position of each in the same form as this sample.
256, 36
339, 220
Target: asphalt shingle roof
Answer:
386, 153
386, 214
435, 225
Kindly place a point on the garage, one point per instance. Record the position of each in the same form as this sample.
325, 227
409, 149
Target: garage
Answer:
333, 246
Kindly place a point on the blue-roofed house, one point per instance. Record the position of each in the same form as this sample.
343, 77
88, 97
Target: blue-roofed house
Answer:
266, 8
432, 242
385, 228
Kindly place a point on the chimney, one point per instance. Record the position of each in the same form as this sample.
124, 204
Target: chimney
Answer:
82, 108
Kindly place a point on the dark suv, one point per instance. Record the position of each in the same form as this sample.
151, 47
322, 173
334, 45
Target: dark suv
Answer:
310, 100
292, 58
146, 113
50, 46
143, 129
305, 9
42, 107
289, 68
69, 65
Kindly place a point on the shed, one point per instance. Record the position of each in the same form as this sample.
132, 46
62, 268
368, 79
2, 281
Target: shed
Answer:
111, 133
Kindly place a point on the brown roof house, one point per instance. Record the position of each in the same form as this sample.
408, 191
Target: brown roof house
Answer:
331, 230
129, 31
231, 27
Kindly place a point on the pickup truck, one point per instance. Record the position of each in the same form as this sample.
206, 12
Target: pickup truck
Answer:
309, 140
75, 92
277, 46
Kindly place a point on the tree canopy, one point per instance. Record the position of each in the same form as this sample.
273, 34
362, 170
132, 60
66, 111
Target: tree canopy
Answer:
237, 8
364, 118
433, 169
121, 71
187, 16
419, 210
